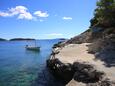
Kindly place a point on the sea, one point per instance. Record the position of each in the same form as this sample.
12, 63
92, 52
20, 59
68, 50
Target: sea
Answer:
21, 67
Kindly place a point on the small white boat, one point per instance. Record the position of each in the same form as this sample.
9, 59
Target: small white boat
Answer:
33, 48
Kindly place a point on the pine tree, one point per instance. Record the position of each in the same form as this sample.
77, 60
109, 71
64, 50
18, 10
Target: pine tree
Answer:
104, 15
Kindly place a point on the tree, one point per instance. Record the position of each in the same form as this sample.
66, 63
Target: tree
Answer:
104, 14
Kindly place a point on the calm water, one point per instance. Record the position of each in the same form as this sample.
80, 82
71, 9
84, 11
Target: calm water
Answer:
19, 67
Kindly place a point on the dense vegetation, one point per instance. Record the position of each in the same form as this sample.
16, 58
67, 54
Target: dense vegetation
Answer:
103, 32
104, 15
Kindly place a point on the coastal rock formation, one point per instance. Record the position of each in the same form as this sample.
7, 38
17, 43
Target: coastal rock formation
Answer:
77, 73
101, 36
60, 70
84, 37
80, 72
86, 73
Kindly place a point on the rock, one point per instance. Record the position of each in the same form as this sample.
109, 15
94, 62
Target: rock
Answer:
105, 82
60, 70
86, 73
79, 72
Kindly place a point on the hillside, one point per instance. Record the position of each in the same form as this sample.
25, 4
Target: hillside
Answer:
1, 39
101, 33
103, 43
95, 47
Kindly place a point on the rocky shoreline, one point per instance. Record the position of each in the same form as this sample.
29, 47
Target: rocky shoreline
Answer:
93, 64
80, 72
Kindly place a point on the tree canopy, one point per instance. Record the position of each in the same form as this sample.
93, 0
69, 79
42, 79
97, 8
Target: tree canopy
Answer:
104, 14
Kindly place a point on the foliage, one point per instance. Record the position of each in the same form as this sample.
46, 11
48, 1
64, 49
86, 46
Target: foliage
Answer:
104, 14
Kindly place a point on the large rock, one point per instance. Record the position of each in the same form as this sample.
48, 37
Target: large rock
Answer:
60, 70
86, 73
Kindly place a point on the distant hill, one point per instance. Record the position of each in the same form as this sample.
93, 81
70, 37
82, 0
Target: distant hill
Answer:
62, 38
1, 39
21, 39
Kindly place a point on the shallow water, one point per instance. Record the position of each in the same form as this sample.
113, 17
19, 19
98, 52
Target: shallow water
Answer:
19, 67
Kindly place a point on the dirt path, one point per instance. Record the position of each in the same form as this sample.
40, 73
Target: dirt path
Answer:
78, 52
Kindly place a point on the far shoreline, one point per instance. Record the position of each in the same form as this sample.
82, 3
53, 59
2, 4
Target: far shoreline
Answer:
22, 39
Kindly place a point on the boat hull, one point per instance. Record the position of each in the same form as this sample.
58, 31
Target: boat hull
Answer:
33, 48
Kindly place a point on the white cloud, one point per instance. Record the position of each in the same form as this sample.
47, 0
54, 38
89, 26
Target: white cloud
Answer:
25, 16
21, 11
4, 14
54, 34
41, 14
18, 10
67, 18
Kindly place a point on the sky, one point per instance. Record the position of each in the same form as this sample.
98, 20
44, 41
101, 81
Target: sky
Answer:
45, 19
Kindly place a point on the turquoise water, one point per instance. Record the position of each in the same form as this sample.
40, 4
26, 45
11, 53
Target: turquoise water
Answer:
19, 67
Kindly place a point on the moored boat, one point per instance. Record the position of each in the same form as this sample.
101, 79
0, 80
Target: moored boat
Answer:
32, 48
